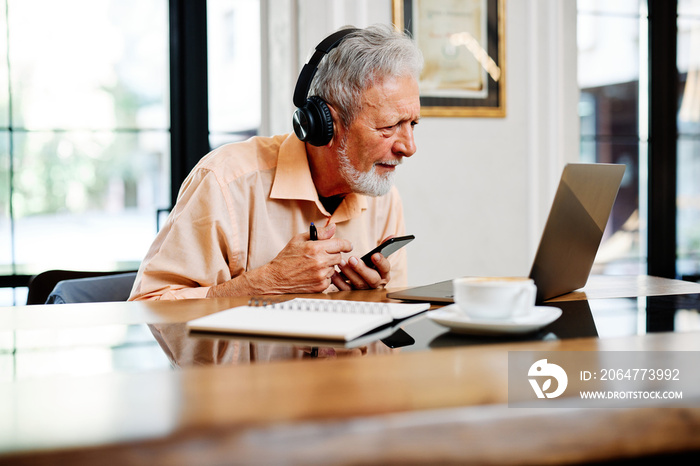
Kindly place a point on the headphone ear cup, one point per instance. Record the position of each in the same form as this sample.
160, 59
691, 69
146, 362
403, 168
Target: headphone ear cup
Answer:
325, 128
313, 123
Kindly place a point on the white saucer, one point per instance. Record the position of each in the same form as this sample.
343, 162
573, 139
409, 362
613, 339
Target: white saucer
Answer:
450, 317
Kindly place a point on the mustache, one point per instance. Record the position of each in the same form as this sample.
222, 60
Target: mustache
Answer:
393, 162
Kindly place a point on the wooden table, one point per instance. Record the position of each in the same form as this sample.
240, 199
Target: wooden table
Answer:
443, 405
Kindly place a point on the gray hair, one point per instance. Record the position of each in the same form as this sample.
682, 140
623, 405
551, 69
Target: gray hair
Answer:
364, 58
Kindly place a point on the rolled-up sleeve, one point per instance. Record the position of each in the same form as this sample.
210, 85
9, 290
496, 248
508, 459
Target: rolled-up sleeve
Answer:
191, 252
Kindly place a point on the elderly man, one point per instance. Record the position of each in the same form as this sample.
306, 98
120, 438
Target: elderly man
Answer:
241, 222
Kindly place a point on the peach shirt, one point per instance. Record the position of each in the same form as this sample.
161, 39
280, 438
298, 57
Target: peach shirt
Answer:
241, 205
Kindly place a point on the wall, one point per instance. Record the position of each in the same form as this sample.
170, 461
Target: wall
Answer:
477, 192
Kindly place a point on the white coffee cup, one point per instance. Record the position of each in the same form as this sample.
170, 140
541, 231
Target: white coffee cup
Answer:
494, 297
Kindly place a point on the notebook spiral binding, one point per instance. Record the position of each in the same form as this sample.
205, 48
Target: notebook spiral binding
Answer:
321, 305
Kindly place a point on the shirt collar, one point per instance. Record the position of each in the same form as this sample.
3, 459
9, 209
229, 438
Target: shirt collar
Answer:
293, 181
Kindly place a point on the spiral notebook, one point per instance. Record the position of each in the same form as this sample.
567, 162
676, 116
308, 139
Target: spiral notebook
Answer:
308, 318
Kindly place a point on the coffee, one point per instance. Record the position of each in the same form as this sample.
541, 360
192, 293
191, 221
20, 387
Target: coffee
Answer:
494, 297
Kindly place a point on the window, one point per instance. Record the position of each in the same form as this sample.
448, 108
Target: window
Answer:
611, 60
233, 43
86, 122
635, 57
84, 132
688, 61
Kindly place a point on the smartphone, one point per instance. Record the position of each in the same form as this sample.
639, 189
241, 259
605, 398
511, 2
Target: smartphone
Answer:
387, 248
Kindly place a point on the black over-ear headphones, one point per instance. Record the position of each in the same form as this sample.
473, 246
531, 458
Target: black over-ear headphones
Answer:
312, 119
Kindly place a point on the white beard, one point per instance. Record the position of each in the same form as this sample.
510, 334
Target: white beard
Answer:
368, 183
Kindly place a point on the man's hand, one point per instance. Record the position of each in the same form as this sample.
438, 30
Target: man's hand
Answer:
306, 266
303, 266
355, 275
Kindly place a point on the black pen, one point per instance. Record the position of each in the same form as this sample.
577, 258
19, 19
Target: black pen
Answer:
313, 234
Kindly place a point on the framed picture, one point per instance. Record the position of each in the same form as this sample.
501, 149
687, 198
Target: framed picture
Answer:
463, 45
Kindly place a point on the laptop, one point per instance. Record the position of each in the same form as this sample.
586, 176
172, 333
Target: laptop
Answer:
571, 236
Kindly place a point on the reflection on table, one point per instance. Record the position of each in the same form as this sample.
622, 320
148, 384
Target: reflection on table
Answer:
80, 348
184, 348
587, 318
604, 318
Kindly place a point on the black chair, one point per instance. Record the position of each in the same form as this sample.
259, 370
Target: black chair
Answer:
79, 286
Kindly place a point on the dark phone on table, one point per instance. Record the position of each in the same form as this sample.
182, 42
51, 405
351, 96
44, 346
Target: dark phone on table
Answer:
387, 248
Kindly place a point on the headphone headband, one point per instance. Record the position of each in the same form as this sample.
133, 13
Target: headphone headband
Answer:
309, 70
312, 120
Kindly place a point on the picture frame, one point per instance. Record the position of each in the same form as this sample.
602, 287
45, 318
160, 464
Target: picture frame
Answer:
463, 46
